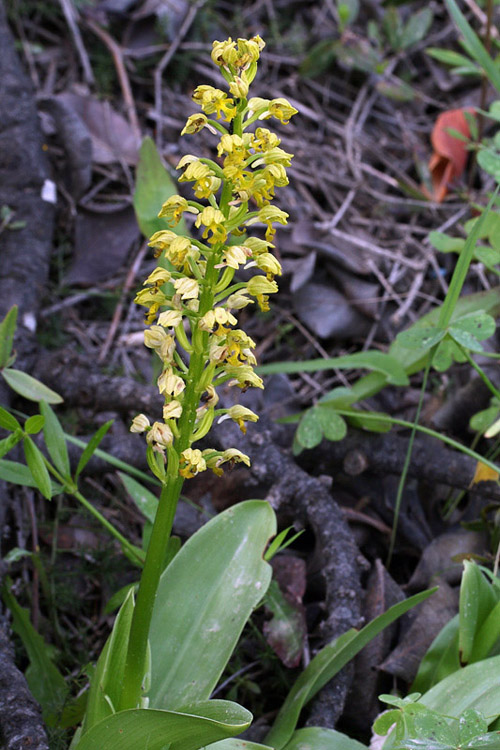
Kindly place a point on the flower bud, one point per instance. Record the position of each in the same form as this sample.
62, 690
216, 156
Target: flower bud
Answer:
140, 423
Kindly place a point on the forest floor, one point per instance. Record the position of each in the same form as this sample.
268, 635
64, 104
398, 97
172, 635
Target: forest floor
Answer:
358, 268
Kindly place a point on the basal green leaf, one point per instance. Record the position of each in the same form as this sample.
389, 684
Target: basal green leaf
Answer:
7, 421
309, 432
318, 738
447, 351
385, 721
36, 465
465, 339
29, 387
235, 744
150, 729
44, 679
326, 664
475, 686
370, 360
55, 440
477, 599
144, 499
449, 57
107, 680
153, 187
204, 599
487, 636
7, 331
34, 424
91, 447
484, 419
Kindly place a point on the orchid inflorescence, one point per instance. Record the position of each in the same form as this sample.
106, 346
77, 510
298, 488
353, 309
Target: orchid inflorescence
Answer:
192, 306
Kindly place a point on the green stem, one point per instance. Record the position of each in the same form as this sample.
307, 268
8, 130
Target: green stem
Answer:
143, 610
162, 527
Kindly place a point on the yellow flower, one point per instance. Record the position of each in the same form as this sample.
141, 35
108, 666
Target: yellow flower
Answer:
240, 415
213, 100
255, 104
158, 277
205, 181
169, 383
219, 316
268, 215
195, 123
179, 250
140, 423
187, 288
148, 297
238, 301
162, 239
260, 285
213, 220
172, 410
161, 435
191, 463
214, 459
239, 86
234, 256
174, 207
265, 139
170, 318
163, 344
282, 110
274, 155
243, 376
268, 263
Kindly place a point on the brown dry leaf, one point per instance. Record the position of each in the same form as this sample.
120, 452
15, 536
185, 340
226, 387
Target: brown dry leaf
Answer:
484, 473
113, 139
102, 243
450, 153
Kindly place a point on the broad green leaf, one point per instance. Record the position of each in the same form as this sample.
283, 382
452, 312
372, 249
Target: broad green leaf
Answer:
16, 473
367, 420
332, 424
489, 160
431, 725
204, 599
487, 636
36, 465
326, 664
319, 58
309, 432
235, 744
152, 729
420, 338
29, 387
490, 741
144, 499
153, 186
318, 738
440, 660
447, 351
107, 680
477, 599
55, 440
91, 447
488, 256
34, 424
10, 442
475, 686
44, 679
7, 331
372, 360
385, 721
474, 44
7, 421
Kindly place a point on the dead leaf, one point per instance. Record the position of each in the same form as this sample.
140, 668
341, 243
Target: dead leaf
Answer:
326, 312
484, 473
102, 243
286, 631
438, 558
113, 139
450, 153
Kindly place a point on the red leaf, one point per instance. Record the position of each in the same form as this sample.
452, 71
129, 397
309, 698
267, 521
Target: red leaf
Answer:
450, 153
